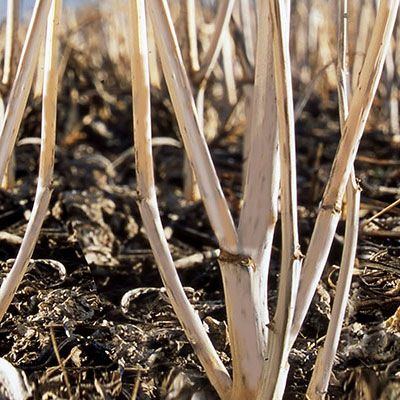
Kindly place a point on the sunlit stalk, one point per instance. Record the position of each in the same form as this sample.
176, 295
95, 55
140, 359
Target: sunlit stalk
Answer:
360, 106
46, 165
188, 318
23, 82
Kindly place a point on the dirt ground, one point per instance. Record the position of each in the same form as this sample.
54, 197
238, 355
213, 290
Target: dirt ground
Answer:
91, 320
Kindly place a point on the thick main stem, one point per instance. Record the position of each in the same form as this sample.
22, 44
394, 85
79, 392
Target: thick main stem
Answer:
245, 332
46, 166
245, 335
260, 199
188, 318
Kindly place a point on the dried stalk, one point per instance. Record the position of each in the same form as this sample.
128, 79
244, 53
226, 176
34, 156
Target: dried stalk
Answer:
154, 62
246, 288
246, 21
23, 82
260, 200
258, 220
329, 214
246, 334
221, 24
191, 189
193, 139
393, 93
325, 55
262, 181
192, 35
307, 92
364, 26
323, 366
229, 74
322, 370
39, 76
277, 367
246, 341
200, 79
248, 92
9, 71
11, 41
190, 321
43, 193
381, 212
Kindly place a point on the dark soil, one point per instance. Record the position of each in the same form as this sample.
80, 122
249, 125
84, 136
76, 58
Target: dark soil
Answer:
93, 284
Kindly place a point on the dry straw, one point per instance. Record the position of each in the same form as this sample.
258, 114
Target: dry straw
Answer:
44, 188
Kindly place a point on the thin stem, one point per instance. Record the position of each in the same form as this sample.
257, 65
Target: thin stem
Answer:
193, 139
192, 34
221, 24
46, 164
201, 76
275, 372
11, 40
228, 67
23, 82
9, 71
383, 211
246, 20
360, 106
322, 370
188, 318
320, 379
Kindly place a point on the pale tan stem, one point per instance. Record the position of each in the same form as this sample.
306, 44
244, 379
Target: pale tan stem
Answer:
245, 333
191, 188
229, 75
247, 22
260, 200
193, 139
363, 34
393, 91
318, 386
23, 82
308, 91
221, 24
192, 34
360, 106
39, 75
248, 91
201, 76
188, 318
383, 211
46, 164
276, 368
11, 41
9, 71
